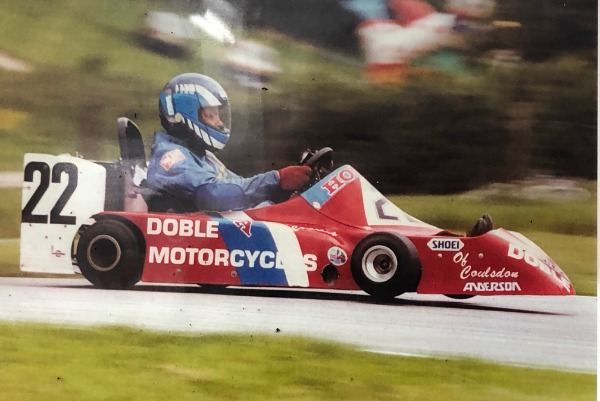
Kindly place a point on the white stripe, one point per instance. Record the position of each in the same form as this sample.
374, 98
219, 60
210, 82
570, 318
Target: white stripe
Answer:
236, 215
289, 254
214, 159
169, 102
208, 96
217, 144
371, 195
205, 136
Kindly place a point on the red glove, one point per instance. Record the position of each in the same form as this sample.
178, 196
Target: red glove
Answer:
294, 177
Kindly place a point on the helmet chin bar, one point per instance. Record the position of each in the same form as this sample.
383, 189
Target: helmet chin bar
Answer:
202, 140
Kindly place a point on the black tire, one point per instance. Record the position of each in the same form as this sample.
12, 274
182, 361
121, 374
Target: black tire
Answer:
386, 265
110, 254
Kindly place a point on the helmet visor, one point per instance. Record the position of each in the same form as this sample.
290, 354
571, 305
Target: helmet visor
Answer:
217, 117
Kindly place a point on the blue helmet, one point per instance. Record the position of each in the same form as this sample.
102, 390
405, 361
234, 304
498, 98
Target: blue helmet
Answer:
195, 108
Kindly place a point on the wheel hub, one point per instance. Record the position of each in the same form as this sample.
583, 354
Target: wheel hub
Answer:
104, 253
379, 263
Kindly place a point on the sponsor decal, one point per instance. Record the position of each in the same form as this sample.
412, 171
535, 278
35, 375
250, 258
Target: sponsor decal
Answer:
170, 158
199, 89
506, 286
337, 256
58, 253
245, 226
379, 204
222, 257
467, 272
182, 227
337, 182
445, 244
320, 230
519, 253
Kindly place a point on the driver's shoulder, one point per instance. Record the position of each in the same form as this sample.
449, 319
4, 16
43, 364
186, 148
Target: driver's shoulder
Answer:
164, 146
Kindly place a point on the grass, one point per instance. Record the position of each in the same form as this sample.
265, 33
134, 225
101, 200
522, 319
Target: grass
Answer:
459, 212
576, 255
10, 212
42, 362
9, 258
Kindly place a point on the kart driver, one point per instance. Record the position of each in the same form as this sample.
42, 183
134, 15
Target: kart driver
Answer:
194, 110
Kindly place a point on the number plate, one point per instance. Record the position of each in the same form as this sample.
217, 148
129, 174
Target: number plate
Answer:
60, 193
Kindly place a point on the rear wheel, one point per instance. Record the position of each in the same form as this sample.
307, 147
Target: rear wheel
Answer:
110, 254
386, 265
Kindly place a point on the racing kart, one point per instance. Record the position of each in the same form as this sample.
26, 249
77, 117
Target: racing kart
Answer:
340, 233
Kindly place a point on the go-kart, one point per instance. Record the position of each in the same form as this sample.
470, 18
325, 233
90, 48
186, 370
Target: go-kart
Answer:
340, 233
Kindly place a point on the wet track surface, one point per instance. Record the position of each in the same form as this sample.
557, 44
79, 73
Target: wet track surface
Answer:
553, 332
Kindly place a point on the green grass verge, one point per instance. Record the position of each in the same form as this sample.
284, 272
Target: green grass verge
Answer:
10, 212
576, 255
9, 258
459, 212
41, 362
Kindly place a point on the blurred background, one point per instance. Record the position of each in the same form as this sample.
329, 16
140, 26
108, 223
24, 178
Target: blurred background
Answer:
421, 96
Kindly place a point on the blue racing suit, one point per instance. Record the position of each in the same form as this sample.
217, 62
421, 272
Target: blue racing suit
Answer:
203, 180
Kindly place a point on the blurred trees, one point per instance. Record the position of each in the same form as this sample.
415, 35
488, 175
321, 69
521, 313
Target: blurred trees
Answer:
552, 27
438, 134
324, 22
547, 27
434, 133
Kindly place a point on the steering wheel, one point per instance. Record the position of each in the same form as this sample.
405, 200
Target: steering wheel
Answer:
321, 163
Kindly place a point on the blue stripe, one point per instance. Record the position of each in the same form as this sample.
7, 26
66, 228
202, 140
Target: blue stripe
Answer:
261, 240
317, 194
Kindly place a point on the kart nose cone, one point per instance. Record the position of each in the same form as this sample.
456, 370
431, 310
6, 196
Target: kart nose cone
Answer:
541, 273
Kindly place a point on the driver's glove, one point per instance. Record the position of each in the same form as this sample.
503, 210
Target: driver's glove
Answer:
293, 178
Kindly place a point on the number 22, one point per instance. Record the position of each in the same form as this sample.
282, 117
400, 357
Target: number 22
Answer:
56, 217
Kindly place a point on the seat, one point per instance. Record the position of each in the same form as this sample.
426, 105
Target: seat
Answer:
133, 163
137, 196
130, 141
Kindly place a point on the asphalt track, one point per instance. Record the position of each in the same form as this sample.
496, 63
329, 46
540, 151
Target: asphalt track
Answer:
549, 332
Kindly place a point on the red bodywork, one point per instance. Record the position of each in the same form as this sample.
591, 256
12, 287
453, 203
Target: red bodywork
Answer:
308, 241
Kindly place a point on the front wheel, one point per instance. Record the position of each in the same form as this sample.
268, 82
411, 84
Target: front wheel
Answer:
110, 254
385, 265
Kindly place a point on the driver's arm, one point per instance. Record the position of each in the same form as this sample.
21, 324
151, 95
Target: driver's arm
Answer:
221, 190
255, 189
263, 186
